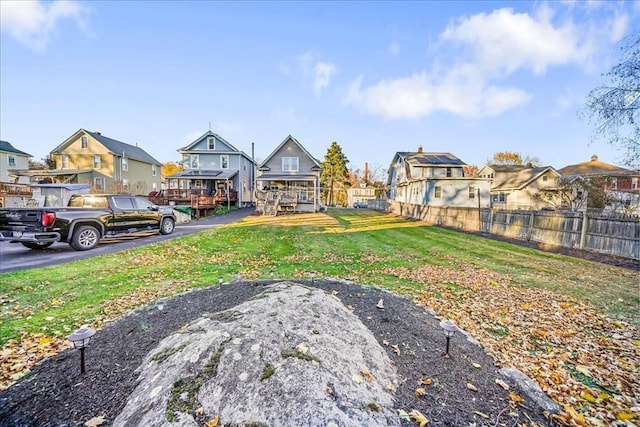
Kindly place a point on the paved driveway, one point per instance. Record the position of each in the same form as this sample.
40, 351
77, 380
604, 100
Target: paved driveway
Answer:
14, 256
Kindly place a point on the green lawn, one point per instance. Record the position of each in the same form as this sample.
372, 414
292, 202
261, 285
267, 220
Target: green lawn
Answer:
361, 245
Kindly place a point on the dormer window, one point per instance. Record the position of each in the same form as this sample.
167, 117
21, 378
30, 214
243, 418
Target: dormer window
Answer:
290, 164
211, 141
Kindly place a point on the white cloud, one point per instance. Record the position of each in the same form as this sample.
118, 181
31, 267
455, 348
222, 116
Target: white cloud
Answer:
504, 41
394, 49
493, 47
33, 22
323, 71
420, 95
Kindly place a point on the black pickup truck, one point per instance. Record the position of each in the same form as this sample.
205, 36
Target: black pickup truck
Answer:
87, 219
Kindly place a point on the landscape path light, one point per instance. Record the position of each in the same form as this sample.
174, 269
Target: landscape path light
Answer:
449, 328
80, 340
220, 281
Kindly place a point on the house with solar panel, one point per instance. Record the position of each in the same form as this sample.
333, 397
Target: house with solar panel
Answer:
435, 179
106, 164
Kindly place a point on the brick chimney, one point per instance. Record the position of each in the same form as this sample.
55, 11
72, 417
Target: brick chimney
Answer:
419, 148
366, 173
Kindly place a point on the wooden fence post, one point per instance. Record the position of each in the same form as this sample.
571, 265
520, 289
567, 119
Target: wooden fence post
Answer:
583, 232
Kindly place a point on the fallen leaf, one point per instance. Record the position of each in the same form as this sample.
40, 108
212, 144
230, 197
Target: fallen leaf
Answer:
366, 374
515, 397
502, 384
329, 390
476, 365
420, 419
390, 387
213, 422
583, 370
95, 421
357, 379
482, 414
624, 416
301, 348
420, 392
426, 381
403, 415
396, 349
385, 342
472, 387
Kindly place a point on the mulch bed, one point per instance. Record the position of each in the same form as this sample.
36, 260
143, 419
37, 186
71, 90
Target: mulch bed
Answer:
55, 394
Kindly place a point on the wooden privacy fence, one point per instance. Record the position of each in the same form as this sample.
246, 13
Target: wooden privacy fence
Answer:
603, 233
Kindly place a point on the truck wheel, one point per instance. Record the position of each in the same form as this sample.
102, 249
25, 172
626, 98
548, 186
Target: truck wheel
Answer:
36, 245
84, 238
166, 226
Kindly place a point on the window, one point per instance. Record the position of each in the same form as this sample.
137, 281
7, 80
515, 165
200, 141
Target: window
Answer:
84, 141
123, 202
472, 192
438, 193
125, 164
502, 197
634, 183
195, 161
224, 162
289, 164
65, 161
125, 184
494, 197
197, 183
97, 183
97, 161
614, 183
154, 170
12, 160
449, 172
545, 177
154, 186
211, 141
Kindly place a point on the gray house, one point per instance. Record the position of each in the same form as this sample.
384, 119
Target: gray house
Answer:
213, 167
434, 179
288, 180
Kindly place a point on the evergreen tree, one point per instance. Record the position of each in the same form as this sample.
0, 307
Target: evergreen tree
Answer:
334, 173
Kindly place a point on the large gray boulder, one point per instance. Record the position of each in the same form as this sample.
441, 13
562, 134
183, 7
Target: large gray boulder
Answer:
292, 355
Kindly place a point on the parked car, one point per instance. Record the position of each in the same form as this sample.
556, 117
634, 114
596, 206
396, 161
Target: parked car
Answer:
87, 219
359, 205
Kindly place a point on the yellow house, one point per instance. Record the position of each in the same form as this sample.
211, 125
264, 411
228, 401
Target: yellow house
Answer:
108, 165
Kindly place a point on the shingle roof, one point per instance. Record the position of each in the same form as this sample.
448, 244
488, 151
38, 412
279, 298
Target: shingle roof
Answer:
506, 168
521, 178
122, 149
595, 168
8, 148
426, 159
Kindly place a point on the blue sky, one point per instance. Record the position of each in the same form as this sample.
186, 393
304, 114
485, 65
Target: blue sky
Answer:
471, 78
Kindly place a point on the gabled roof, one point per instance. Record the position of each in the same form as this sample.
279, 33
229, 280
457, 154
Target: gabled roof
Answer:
116, 147
205, 135
8, 148
429, 159
316, 165
519, 180
594, 167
